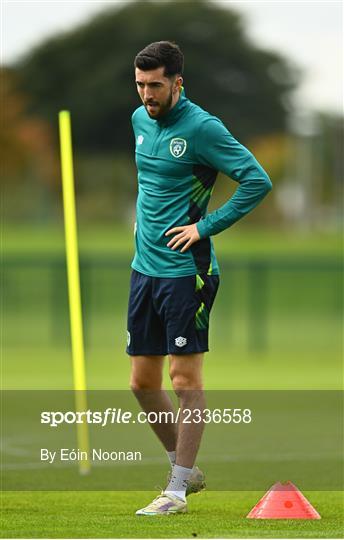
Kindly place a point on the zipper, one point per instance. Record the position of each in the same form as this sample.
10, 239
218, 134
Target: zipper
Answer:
157, 140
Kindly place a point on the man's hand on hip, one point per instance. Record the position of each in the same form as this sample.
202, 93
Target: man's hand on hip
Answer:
188, 235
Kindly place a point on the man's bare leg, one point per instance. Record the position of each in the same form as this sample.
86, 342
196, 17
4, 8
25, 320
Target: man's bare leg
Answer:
146, 383
186, 377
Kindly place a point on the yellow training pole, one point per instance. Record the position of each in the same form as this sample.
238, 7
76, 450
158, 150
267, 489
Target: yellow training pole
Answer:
74, 284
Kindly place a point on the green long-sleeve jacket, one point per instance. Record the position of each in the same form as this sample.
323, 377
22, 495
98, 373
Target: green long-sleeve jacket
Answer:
178, 158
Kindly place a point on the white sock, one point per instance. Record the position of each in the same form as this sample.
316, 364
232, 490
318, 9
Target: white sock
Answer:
178, 483
171, 457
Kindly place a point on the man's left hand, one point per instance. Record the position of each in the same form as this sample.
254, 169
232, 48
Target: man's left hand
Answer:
188, 235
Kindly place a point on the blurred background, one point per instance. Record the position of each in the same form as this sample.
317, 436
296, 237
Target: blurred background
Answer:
272, 71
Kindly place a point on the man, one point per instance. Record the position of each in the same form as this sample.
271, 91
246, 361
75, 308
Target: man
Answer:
179, 150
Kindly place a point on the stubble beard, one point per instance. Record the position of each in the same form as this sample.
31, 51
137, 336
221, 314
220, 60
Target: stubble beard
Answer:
164, 108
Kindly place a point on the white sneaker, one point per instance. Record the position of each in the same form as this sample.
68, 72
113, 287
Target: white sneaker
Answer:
164, 504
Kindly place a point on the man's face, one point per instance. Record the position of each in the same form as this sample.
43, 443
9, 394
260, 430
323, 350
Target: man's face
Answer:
157, 92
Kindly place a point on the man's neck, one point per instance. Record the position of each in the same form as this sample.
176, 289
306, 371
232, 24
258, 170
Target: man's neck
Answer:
175, 99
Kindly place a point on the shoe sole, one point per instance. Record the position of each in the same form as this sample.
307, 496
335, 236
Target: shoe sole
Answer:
184, 511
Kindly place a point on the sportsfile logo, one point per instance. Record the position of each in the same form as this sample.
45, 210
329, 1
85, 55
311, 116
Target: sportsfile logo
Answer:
122, 416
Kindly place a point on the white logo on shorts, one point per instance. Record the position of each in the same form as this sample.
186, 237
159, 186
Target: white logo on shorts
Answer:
140, 139
181, 341
128, 338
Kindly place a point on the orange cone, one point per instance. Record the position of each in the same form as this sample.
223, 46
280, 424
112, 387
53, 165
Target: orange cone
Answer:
283, 501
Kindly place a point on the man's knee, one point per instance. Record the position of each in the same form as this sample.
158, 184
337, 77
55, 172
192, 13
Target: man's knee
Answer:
186, 372
142, 382
185, 380
145, 375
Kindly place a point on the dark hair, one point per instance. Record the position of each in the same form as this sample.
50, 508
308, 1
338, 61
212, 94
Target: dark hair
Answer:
161, 54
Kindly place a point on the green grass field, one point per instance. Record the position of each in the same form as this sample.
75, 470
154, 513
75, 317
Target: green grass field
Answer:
111, 515
301, 349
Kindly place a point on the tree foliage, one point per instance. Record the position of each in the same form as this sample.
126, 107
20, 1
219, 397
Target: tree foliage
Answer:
26, 145
90, 71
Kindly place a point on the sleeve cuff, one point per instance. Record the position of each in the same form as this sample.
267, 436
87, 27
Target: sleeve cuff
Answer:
202, 229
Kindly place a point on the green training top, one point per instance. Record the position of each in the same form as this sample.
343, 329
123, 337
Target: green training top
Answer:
178, 158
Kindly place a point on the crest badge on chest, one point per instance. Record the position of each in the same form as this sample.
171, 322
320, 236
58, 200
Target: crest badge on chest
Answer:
177, 147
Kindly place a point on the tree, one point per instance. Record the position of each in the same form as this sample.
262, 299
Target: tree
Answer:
26, 145
90, 71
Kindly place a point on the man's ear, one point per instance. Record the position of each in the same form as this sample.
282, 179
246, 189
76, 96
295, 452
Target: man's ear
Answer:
178, 83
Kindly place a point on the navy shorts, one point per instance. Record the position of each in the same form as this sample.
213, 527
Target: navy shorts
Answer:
169, 315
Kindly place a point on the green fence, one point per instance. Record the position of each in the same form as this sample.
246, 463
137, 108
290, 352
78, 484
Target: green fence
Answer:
261, 303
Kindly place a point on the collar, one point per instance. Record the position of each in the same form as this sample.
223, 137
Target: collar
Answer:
176, 112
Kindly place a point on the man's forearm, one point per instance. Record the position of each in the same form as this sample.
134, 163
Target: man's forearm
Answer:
246, 197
